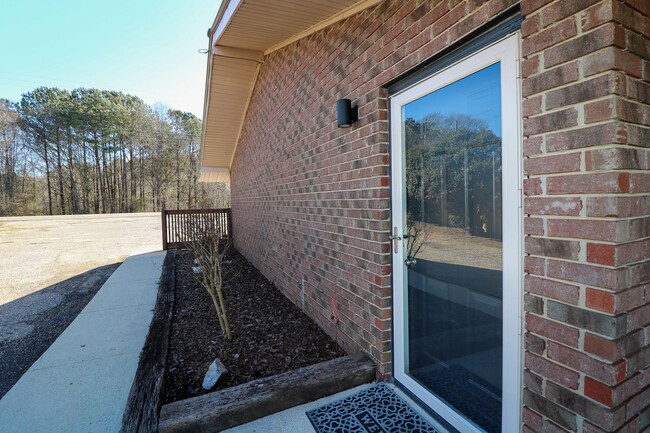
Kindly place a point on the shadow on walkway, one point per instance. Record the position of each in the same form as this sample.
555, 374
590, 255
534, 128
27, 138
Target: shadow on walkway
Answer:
29, 325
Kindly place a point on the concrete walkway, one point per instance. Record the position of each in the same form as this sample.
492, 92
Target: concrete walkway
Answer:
82, 382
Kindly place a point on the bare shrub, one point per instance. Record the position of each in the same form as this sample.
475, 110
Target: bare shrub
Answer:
209, 246
416, 236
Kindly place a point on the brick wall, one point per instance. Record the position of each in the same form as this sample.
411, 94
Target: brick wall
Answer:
311, 201
585, 84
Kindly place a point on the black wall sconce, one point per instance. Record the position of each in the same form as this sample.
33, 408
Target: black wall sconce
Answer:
346, 114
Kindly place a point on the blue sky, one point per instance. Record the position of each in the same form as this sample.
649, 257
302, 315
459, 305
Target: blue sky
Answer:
477, 95
147, 48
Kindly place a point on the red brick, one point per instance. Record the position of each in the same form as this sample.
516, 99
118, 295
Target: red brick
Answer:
590, 183
555, 372
610, 374
530, 66
602, 230
534, 265
616, 255
616, 158
600, 300
532, 145
614, 396
601, 253
549, 37
599, 111
546, 80
598, 391
558, 206
597, 15
552, 330
609, 34
639, 182
552, 164
551, 122
530, 25
311, 199
601, 347
639, 317
532, 419
532, 187
641, 6
592, 275
586, 137
552, 289
551, 427
530, 6
615, 206
561, 9
531, 106
612, 59
533, 226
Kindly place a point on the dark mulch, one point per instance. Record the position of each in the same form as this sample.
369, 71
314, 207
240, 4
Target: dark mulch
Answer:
270, 334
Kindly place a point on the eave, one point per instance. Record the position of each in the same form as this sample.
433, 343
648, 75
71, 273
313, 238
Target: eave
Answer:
243, 32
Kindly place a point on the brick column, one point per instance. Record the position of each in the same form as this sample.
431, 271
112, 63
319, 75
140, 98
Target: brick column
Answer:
585, 69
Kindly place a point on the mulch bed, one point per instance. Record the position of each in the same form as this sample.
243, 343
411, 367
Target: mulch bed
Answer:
270, 334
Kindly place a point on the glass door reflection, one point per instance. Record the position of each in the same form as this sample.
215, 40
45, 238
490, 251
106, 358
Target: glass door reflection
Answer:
452, 140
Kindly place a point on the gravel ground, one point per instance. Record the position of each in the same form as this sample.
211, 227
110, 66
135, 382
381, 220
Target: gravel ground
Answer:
36, 252
456, 246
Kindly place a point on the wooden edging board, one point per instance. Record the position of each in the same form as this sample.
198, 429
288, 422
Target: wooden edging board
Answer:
143, 405
220, 410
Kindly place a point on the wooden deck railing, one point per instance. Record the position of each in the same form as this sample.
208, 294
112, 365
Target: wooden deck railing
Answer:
176, 224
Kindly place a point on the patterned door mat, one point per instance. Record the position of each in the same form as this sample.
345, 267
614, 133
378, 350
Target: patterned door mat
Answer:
374, 410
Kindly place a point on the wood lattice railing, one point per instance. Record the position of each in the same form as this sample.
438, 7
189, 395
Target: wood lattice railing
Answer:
176, 224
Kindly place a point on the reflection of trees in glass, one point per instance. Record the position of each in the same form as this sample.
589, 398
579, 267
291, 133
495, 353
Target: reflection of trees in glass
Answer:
453, 173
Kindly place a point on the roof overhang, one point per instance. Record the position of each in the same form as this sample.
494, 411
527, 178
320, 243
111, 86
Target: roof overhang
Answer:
243, 32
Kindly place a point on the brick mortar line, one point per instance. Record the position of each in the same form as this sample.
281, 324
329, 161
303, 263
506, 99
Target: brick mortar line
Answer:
582, 104
597, 265
336, 267
580, 80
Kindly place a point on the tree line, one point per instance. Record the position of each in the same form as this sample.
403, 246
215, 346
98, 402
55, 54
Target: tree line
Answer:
96, 151
453, 173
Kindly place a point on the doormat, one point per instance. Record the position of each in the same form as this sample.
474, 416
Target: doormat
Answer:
374, 410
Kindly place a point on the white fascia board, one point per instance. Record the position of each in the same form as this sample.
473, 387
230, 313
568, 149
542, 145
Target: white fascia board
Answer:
206, 104
225, 20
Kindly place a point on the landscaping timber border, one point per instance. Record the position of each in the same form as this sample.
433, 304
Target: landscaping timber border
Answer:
143, 405
220, 410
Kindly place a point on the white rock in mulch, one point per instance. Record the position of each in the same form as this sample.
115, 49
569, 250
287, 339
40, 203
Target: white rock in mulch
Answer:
215, 371
196, 269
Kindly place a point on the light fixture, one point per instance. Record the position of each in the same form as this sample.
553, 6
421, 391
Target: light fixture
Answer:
346, 114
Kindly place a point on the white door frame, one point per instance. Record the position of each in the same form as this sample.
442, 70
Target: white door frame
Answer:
506, 51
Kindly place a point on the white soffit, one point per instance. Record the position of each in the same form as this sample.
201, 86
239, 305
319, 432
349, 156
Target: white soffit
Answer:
213, 174
243, 32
